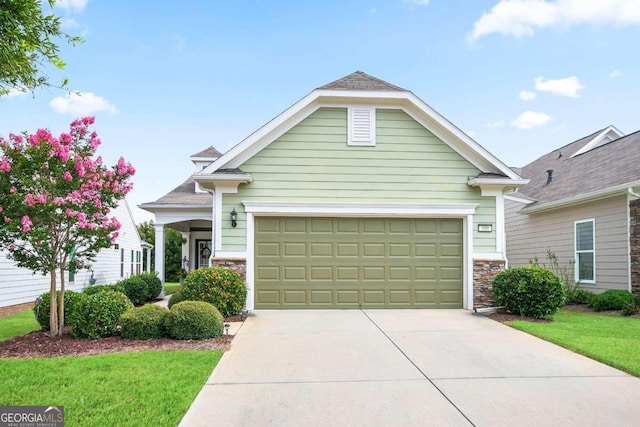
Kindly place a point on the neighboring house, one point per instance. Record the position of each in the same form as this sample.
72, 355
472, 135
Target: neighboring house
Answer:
358, 195
123, 259
582, 204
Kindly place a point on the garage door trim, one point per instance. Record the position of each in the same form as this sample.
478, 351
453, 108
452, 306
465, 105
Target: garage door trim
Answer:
462, 211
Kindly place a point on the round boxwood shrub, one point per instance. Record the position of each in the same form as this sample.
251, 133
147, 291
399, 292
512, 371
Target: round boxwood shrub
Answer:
175, 298
530, 291
136, 289
154, 284
613, 300
94, 289
43, 304
194, 320
143, 323
219, 286
98, 315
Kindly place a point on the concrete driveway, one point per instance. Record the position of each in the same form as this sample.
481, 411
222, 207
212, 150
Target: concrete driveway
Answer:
408, 368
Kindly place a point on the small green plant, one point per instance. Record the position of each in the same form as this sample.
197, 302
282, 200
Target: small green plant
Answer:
613, 299
529, 291
98, 315
219, 286
574, 293
94, 289
175, 298
142, 323
136, 289
194, 320
578, 296
154, 285
42, 306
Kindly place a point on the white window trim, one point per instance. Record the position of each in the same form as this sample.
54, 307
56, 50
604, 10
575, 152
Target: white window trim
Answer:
576, 252
363, 141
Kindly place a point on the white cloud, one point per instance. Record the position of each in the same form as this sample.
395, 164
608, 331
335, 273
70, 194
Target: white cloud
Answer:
72, 6
82, 104
496, 125
564, 87
523, 17
13, 92
525, 95
615, 73
530, 119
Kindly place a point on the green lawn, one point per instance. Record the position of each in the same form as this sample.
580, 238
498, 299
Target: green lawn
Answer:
18, 324
171, 287
129, 389
609, 339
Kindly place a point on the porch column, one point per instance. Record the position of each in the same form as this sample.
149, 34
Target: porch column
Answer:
186, 235
160, 254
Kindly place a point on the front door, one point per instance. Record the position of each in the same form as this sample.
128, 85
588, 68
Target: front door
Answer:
203, 252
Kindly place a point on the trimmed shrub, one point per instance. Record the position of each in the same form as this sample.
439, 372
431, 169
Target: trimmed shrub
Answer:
154, 285
529, 291
136, 289
143, 323
219, 286
94, 289
98, 315
43, 304
194, 320
175, 298
631, 310
578, 296
613, 300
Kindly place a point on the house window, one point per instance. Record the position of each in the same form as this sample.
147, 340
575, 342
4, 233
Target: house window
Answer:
362, 126
138, 262
585, 251
72, 277
132, 261
121, 262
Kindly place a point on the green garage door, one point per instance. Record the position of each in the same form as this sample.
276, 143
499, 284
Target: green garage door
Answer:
358, 262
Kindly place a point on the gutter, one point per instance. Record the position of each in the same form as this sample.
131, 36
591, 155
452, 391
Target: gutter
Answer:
633, 193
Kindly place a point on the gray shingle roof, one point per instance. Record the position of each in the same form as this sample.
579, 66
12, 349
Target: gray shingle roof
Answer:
612, 164
361, 81
208, 152
185, 194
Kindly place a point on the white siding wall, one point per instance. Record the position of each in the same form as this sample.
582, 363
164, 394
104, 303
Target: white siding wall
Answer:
18, 285
529, 236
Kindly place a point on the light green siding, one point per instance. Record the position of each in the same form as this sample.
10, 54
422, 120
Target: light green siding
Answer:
313, 163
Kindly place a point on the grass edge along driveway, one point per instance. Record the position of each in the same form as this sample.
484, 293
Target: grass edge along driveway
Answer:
122, 389
613, 340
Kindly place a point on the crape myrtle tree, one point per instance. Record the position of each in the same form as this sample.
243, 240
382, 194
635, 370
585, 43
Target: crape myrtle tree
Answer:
55, 199
28, 38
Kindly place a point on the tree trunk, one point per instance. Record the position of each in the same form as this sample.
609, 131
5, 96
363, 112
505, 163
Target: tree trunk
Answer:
61, 304
53, 308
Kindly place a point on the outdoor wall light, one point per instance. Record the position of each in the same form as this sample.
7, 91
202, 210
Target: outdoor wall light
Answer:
234, 218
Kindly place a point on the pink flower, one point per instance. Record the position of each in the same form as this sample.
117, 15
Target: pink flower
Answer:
67, 176
12, 189
4, 164
26, 224
7, 219
1, 209
29, 200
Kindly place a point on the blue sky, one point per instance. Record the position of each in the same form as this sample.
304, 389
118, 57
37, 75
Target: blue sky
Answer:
168, 79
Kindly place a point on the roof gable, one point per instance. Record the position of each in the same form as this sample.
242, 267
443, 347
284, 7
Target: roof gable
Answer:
361, 89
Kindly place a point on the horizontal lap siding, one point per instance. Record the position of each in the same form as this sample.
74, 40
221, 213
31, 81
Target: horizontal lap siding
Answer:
313, 163
529, 236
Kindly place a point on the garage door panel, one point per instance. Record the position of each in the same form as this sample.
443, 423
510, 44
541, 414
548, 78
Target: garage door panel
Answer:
358, 262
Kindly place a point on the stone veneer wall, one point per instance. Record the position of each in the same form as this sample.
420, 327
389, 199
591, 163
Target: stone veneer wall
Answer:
237, 264
634, 245
484, 271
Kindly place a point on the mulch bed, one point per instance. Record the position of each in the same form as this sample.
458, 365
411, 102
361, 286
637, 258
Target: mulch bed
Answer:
504, 317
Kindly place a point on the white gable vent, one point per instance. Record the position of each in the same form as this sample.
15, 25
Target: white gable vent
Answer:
362, 126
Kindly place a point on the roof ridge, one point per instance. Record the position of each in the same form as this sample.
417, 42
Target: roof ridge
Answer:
359, 80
